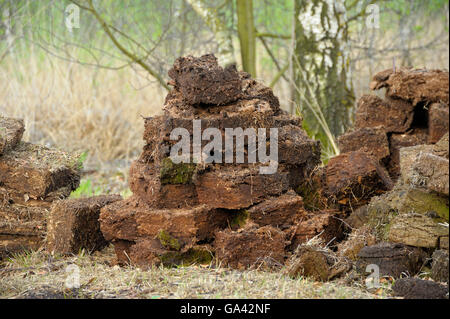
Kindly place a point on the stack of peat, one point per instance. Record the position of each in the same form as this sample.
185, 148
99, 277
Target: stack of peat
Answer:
407, 134
398, 150
415, 111
189, 212
31, 178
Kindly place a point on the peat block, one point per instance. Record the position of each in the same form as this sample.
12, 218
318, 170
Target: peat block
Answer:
438, 121
73, 224
10, 244
430, 171
11, 131
442, 146
357, 240
250, 247
165, 186
37, 170
353, 178
11, 196
398, 141
202, 81
371, 140
281, 211
317, 263
148, 252
327, 225
133, 220
439, 267
414, 85
416, 230
392, 115
234, 187
416, 288
392, 259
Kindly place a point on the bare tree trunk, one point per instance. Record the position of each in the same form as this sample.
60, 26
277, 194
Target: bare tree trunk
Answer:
221, 33
247, 35
321, 66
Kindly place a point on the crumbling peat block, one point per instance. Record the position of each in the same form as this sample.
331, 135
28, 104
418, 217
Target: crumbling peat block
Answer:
73, 224
371, 140
21, 228
416, 230
398, 141
235, 187
416, 288
132, 220
296, 148
443, 243
36, 170
392, 115
11, 131
22, 220
439, 267
404, 200
321, 264
438, 121
202, 81
327, 225
392, 259
250, 247
414, 85
357, 240
150, 252
164, 186
351, 179
430, 171
442, 146
13, 197
282, 211
408, 156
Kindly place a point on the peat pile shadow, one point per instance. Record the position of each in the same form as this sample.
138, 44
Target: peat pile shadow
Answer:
31, 178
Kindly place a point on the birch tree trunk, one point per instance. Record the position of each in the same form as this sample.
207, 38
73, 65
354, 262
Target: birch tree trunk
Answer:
247, 35
321, 67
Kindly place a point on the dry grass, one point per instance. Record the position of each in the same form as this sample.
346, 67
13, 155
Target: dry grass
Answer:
78, 108
47, 276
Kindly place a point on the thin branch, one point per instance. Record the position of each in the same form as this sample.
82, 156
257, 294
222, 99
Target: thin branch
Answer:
272, 35
129, 54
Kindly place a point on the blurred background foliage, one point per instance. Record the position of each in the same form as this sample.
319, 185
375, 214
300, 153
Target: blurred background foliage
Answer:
86, 88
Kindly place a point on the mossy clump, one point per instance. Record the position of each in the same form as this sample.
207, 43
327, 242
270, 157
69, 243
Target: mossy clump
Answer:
171, 173
196, 255
240, 219
423, 202
168, 241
